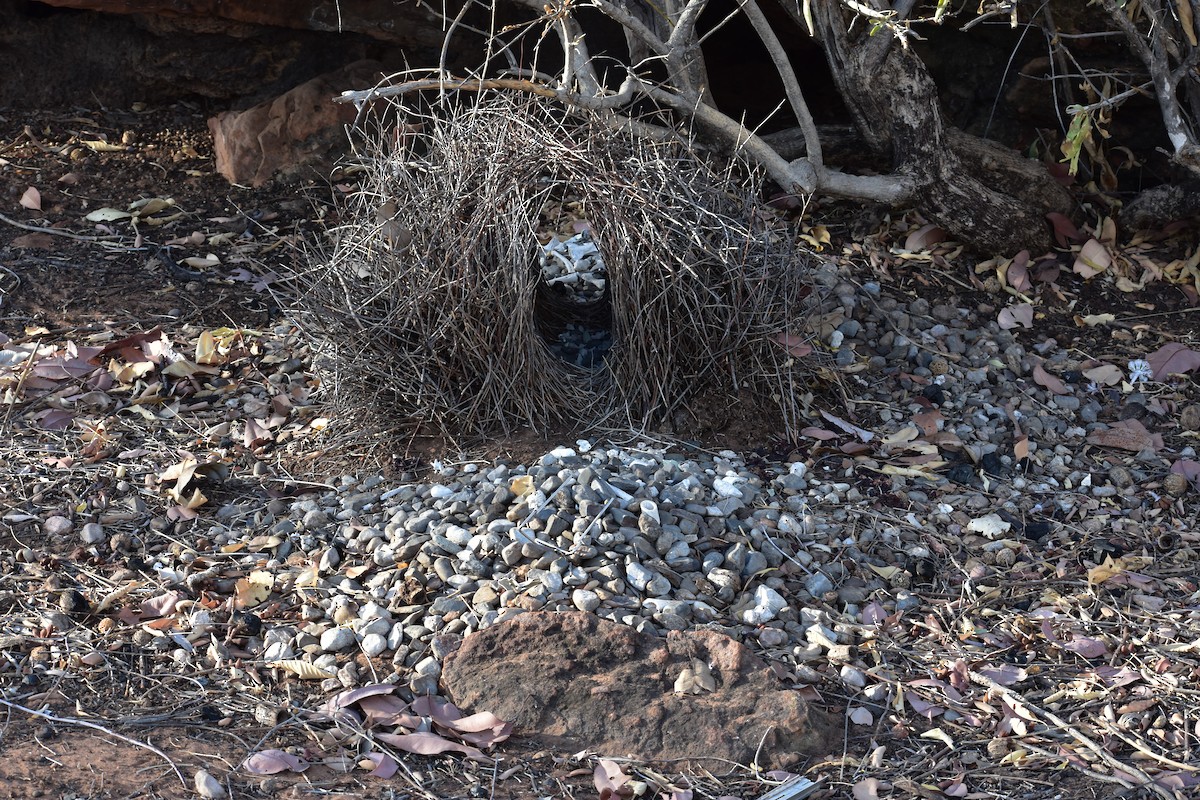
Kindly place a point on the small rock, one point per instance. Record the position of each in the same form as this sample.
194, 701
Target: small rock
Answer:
585, 600
1176, 485
818, 584
337, 639
772, 637
767, 605
57, 526
374, 644
92, 533
207, 786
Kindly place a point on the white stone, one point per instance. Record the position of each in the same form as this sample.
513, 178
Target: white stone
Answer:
337, 639
585, 600
373, 644
728, 486
638, 575
767, 605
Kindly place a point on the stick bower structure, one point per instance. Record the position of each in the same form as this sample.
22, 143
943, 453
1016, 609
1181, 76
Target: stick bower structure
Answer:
433, 298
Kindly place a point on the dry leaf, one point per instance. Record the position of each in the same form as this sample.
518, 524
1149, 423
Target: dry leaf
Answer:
1092, 320
1051, 382
270, 762
107, 215
1173, 358
1021, 448
609, 778
254, 589
428, 744
1014, 315
1064, 230
1127, 434
39, 241
384, 766
797, 346
861, 716
928, 421
924, 238
902, 436
1104, 375
865, 436
1017, 274
206, 349
869, 788
940, 735
32, 199
1093, 259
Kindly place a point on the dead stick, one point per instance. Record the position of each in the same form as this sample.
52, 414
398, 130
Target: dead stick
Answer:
51, 231
1096, 748
84, 723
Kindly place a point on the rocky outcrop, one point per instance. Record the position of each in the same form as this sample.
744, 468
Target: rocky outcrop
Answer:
576, 681
404, 23
301, 129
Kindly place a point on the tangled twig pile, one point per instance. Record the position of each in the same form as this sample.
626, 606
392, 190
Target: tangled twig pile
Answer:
433, 296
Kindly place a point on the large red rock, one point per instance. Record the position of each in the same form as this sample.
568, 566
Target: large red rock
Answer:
302, 129
405, 23
575, 681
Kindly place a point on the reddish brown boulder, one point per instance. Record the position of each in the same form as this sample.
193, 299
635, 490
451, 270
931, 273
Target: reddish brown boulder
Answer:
575, 681
407, 24
302, 129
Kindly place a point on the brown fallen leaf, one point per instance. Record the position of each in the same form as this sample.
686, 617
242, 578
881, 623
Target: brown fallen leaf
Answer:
1127, 434
924, 238
1051, 382
39, 241
428, 744
1173, 358
1017, 274
796, 346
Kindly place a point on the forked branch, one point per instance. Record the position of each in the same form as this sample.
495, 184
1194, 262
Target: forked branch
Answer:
672, 42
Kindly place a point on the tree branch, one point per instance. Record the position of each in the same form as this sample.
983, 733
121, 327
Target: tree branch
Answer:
812, 141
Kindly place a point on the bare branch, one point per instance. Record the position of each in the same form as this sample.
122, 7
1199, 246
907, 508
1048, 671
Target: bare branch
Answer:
630, 23
791, 85
1166, 82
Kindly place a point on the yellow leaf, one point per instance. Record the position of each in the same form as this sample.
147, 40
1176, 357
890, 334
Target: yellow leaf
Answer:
254, 589
195, 501
906, 434
206, 349
887, 573
940, 735
1184, 7
151, 205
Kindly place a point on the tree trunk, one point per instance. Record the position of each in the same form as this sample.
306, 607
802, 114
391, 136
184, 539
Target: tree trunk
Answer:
982, 193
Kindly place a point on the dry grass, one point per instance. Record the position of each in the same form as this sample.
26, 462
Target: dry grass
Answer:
448, 329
